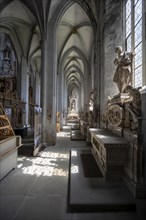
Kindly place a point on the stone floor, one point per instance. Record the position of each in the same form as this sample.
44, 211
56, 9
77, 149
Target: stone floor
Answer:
38, 188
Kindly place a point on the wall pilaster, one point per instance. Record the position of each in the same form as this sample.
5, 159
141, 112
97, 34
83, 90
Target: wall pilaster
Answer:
25, 89
143, 97
48, 92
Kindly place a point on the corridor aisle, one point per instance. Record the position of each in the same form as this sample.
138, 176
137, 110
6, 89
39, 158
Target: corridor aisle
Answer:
37, 189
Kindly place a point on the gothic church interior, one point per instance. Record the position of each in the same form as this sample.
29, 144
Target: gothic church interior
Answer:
73, 96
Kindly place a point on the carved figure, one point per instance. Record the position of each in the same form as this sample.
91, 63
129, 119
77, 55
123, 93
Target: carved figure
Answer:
73, 105
115, 115
123, 74
133, 103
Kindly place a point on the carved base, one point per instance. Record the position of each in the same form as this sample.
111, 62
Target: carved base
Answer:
84, 127
119, 98
110, 153
137, 189
115, 130
124, 110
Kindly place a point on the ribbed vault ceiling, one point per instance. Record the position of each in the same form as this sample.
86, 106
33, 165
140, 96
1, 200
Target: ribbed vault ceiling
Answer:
20, 24
74, 43
74, 36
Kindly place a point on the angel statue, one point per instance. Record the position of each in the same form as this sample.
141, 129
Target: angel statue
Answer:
123, 74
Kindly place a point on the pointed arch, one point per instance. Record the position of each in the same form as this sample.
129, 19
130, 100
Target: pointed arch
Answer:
77, 50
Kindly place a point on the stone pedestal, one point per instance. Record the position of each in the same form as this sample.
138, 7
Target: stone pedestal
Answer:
48, 92
83, 127
8, 154
143, 97
110, 152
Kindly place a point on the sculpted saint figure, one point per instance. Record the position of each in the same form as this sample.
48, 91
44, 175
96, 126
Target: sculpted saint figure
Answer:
134, 100
123, 74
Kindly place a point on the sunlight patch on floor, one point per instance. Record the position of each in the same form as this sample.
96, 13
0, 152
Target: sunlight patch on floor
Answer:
49, 164
74, 169
63, 134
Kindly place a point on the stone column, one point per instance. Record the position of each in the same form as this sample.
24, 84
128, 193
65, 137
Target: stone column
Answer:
64, 102
98, 85
144, 43
18, 81
82, 97
143, 97
37, 89
86, 84
143, 90
24, 89
48, 92
60, 97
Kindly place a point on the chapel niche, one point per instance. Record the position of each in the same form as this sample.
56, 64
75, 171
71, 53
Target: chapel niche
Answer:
73, 108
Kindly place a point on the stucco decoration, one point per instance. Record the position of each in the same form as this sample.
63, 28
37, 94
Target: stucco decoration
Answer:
125, 110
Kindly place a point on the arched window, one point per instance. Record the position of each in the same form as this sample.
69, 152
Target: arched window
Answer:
134, 42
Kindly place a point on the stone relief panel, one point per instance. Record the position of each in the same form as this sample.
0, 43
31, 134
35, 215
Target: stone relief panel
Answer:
124, 109
115, 115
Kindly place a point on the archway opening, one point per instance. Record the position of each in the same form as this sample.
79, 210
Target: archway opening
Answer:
74, 51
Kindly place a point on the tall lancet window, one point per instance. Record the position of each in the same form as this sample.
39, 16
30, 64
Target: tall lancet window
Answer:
134, 37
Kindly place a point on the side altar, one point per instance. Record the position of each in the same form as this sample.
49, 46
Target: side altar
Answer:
9, 144
118, 146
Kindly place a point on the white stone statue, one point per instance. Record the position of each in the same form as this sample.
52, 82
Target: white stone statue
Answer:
123, 74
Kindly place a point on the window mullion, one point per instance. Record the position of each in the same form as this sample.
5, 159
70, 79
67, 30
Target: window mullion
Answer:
132, 37
144, 44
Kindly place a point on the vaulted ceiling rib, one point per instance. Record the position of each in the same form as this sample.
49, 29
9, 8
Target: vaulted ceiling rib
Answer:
74, 41
22, 26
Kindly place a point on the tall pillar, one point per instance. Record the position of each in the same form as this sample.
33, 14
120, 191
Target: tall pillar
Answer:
24, 89
143, 97
62, 99
143, 90
48, 92
98, 84
86, 85
37, 89
82, 97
